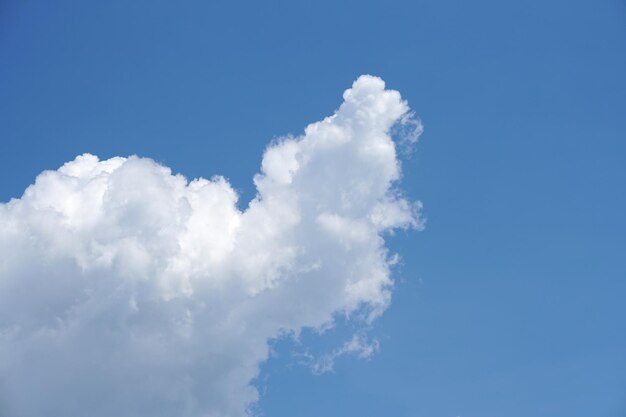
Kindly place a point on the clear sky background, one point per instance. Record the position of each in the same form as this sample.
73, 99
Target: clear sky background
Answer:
511, 302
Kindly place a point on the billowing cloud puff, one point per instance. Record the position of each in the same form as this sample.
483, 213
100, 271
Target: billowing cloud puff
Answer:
126, 290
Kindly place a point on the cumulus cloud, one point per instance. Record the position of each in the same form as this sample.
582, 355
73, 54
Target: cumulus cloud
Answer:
127, 290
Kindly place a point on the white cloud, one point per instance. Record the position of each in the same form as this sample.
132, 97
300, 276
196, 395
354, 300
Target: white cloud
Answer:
126, 290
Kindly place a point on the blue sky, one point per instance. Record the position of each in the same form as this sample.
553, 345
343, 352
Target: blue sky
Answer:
510, 302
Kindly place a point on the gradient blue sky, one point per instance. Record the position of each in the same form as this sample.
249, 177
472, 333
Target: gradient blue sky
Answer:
511, 302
